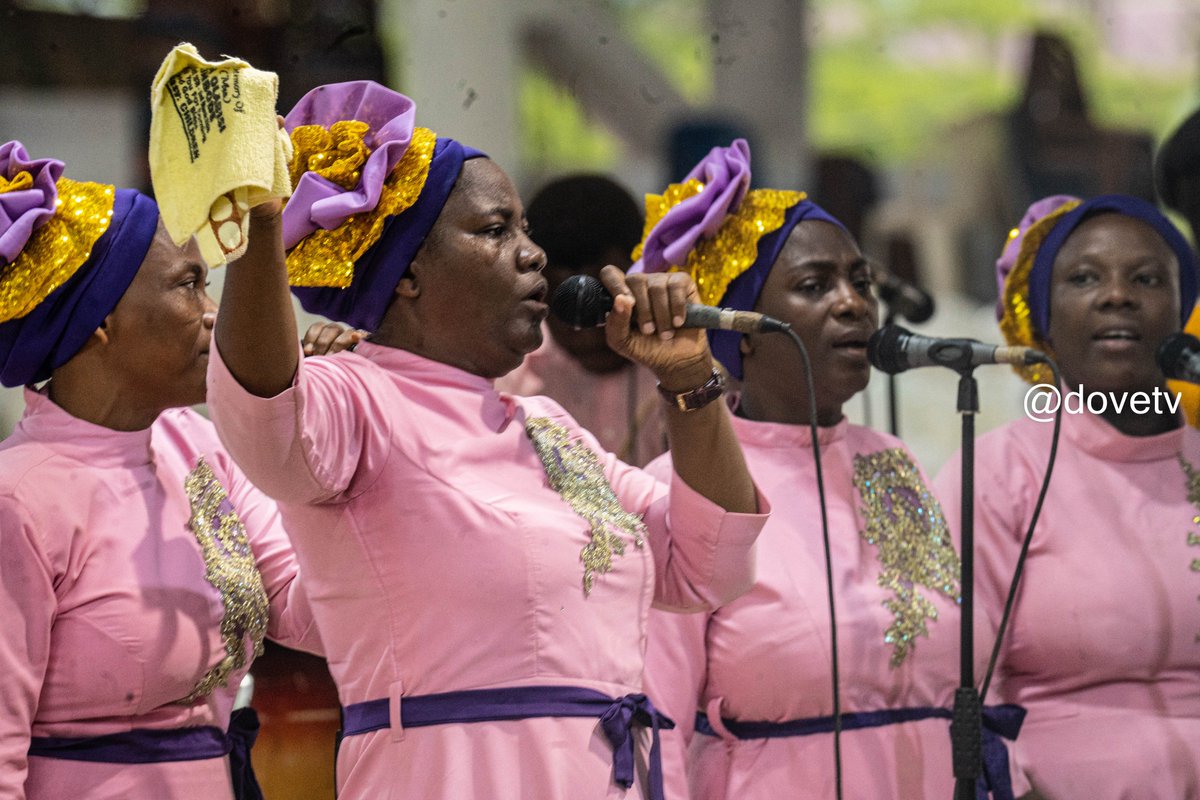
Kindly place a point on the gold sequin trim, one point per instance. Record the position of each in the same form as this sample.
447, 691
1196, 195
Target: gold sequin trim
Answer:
1017, 321
229, 566
58, 248
905, 523
714, 263
327, 257
1193, 496
576, 474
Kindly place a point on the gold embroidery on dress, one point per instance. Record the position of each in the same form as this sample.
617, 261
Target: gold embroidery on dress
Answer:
1193, 495
229, 566
576, 474
905, 523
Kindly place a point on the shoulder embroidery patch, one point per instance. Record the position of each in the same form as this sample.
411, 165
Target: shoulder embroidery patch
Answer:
905, 523
229, 566
575, 473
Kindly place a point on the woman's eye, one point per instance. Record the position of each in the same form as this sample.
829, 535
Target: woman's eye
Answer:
1080, 278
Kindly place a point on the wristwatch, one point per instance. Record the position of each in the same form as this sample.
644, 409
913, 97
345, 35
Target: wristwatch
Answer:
702, 395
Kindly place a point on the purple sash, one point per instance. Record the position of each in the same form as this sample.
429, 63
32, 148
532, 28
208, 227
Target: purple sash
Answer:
523, 702
145, 746
999, 723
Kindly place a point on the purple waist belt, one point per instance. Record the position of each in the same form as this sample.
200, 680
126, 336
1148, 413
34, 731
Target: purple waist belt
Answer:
617, 717
999, 723
146, 746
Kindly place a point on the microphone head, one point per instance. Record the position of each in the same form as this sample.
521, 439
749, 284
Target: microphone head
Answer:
885, 349
904, 299
581, 301
1170, 354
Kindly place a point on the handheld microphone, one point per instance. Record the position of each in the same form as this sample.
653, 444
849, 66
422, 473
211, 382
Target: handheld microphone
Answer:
902, 297
581, 301
893, 349
1179, 357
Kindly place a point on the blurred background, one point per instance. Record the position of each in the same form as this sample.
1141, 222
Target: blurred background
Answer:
926, 125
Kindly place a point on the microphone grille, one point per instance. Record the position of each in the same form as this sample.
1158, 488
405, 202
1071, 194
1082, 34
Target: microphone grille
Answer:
885, 350
1172, 349
581, 301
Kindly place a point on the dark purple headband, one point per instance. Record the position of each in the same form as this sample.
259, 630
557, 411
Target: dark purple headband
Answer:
1043, 263
49, 336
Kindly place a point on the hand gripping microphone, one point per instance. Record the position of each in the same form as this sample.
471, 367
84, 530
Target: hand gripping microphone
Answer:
581, 301
1179, 357
893, 349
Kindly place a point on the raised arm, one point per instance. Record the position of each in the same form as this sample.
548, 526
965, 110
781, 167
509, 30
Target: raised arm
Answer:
704, 449
256, 329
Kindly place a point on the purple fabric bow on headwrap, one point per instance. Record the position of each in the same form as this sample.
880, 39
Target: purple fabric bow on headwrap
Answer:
725, 173
320, 203
34, 345
24, 210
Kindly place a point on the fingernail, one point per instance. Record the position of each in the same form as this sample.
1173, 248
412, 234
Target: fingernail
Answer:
678, 322
667, 335
647, 328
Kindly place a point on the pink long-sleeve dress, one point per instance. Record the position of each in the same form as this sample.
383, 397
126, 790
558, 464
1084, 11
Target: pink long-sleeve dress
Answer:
1104, 643
138, 572
439, 557
766, 656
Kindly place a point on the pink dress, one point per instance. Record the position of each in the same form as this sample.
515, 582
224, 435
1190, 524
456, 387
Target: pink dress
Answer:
438, 558
622, 409
1104, 644
121, 561
766, 656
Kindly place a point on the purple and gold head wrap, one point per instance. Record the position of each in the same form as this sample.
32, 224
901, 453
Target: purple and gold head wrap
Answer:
1025, 267
68, 252
368, 187
725, 235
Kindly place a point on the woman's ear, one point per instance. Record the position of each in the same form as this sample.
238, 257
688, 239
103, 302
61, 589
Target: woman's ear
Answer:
408, 287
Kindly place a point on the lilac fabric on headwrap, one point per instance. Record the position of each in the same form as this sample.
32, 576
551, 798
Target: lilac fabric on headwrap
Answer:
49, 336
24, 210
1043, 263
725, 173
320, 203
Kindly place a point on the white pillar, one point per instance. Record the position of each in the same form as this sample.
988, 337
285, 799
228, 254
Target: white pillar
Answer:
459, 61
761, 79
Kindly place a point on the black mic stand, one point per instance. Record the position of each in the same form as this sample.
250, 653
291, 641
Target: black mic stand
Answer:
893, 410
966, 728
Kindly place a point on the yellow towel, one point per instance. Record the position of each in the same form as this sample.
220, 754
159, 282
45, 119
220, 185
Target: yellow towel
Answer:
215, 149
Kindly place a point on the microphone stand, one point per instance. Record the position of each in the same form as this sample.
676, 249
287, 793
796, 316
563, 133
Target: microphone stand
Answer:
966, 727
893, 410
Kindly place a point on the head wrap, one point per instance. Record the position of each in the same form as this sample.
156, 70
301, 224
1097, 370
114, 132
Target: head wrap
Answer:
1025, 267
68, 252
725, 235
369, 186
